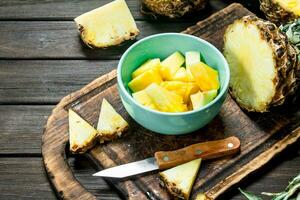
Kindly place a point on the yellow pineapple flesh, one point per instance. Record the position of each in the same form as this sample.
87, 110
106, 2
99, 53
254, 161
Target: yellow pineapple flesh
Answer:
108, 25
148, 65
81, 134
171, 64
165, 100
143, 98
111, 124
179, 180
142, 81
181, 75
290, 5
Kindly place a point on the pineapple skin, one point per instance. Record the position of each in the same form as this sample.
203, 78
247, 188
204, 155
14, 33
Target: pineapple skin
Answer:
173, 8
284, 54
275, 12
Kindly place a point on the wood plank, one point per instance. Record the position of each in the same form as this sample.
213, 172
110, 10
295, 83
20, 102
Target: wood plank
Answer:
21, 128
46, 82
60, 40
68, 10
25, 178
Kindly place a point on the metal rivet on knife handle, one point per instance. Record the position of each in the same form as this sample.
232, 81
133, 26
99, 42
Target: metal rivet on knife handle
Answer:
204, 150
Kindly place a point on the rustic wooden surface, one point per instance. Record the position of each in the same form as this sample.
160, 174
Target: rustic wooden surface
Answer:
33, 80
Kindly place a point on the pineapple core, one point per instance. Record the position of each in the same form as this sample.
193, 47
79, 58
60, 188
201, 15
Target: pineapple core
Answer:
252, 66
110, 123
108, 25
290, 5
179, 180
81, 133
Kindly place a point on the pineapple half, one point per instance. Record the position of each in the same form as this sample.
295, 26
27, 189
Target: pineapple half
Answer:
280, 11
263, 64
111, 125
108, 25
179, 180
81, 134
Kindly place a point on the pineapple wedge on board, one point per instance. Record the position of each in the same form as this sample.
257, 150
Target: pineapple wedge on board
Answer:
108, 25
179, 180
81, 134
110, 124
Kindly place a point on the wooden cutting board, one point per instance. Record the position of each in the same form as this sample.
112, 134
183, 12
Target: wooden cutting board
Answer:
262, 135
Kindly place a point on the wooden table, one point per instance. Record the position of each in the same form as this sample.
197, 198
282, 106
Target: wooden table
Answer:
41, 60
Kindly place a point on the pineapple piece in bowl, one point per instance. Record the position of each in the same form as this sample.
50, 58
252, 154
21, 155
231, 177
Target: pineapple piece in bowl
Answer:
161, 121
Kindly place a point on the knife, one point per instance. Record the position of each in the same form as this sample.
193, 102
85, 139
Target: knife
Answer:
168, 159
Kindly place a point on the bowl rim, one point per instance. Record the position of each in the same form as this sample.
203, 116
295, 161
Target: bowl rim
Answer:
221, 93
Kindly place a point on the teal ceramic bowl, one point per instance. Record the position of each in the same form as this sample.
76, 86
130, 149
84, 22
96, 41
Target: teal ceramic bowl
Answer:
161, 46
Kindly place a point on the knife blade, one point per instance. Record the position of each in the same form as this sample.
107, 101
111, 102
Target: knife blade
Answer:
168, 159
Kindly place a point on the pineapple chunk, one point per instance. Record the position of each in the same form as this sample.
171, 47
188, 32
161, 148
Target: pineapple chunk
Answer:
181, 75
142, 98
180, 179
165, 100
192, 88
201, 99
145, 79
110, 124
150, 64
171, 64
177, 87
81, 134
108, 25
191, 58
206, 77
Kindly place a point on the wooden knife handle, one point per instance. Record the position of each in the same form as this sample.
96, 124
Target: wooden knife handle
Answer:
204, 150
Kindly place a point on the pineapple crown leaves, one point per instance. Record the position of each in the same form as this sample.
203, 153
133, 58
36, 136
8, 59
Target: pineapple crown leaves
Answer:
292, 31
292, 189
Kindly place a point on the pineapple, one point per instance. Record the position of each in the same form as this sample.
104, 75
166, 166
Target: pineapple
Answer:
111, 125
263, 64
150, 64
206, 77
202, 196
145, 79
143, 98
181, 75
81, 134
280, 11
201, 99
171, 64
108, 25
191, 58
180, 179
173, 9
165, 100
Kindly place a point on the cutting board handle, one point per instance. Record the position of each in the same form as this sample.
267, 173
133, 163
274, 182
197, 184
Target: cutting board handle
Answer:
204, 150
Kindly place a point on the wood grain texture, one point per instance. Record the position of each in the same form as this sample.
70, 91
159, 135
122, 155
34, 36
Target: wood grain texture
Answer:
257, 132
25, 178
21, 128
68, 10
60, 40
46, 82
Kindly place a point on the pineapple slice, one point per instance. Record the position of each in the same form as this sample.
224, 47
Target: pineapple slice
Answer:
171, 64
206, 77
150, 64
181, 75
165, 100
108, 25
145, 79
110, 124
180, 179
281, 11
263, 65
81, 134
142, 98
